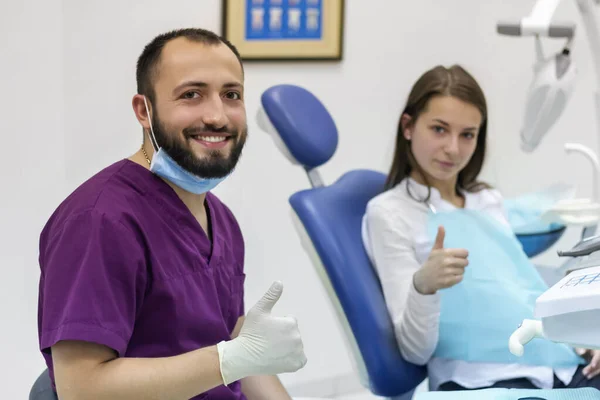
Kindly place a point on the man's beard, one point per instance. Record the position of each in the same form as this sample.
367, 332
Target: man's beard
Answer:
215, 164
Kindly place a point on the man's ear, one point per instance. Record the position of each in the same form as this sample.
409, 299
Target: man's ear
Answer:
139, 108
407, 126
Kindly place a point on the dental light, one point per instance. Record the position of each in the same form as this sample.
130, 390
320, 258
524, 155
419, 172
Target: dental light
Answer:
553, 76
552, 85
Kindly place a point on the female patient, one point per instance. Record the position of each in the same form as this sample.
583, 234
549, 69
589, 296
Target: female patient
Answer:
440, 150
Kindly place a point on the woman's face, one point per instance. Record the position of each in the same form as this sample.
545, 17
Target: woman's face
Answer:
444, 137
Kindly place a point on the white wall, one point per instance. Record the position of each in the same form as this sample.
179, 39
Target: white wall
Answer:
32, 174
68, 74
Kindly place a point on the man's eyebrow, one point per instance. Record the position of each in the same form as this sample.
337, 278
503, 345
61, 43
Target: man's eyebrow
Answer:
200, 84
230, 85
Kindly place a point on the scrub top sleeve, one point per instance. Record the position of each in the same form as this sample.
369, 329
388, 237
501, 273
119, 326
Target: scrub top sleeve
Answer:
93, 282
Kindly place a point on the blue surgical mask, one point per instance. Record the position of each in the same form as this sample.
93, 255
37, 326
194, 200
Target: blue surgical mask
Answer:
164, 166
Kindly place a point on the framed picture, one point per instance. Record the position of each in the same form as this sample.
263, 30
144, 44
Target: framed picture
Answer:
285, 30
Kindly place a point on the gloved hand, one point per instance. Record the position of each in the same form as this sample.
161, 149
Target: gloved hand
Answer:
266, 344
444, 267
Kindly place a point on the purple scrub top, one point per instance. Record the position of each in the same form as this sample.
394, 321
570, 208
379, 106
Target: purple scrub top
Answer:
125, 264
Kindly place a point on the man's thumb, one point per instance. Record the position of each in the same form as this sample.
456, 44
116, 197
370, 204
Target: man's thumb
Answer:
267, 302
439, 239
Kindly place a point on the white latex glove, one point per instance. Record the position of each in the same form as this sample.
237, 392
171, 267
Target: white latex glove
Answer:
266, 345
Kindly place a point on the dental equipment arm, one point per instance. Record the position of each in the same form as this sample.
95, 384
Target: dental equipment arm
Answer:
592, 29
583, 212
538, 23
591, 156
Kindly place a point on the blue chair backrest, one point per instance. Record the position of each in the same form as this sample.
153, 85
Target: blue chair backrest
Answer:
331, 216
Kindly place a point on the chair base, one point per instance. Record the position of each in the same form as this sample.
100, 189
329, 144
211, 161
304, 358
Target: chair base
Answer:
42, 388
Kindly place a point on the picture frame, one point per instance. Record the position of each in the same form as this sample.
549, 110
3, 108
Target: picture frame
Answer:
285, 30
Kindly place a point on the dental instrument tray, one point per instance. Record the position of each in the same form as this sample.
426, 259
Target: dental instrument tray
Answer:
570, 310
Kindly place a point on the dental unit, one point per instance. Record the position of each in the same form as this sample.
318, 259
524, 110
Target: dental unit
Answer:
569, 311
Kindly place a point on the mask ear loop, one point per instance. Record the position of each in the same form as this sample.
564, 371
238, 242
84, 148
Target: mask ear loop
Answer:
152, 136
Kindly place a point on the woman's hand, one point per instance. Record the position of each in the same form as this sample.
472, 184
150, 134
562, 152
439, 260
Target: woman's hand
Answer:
593, 358
444, 267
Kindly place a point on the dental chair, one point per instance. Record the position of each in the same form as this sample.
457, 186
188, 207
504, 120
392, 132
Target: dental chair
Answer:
328, 221
42, 388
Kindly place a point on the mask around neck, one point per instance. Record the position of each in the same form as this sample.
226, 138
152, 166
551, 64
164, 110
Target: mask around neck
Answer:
164, 166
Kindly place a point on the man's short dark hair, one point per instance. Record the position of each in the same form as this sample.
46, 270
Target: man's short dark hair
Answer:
147, 62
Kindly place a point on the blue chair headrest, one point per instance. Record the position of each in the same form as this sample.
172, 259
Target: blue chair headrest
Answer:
332, 217
303, 124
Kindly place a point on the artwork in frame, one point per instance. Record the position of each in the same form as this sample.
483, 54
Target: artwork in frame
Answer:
285, 30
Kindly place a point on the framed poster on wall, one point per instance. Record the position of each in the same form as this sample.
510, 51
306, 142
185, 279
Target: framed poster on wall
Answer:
280, 30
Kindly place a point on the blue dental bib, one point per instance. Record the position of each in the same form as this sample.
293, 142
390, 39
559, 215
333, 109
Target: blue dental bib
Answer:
498, 291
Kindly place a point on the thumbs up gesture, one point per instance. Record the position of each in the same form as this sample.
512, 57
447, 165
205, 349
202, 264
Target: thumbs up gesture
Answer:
266, 344
443, 269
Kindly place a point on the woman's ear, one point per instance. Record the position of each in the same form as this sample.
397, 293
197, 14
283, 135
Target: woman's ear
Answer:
405, 123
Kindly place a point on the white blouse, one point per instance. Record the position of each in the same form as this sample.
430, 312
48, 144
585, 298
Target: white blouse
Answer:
394, 232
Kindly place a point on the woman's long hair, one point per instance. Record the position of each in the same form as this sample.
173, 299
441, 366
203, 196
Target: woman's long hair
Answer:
440, 81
